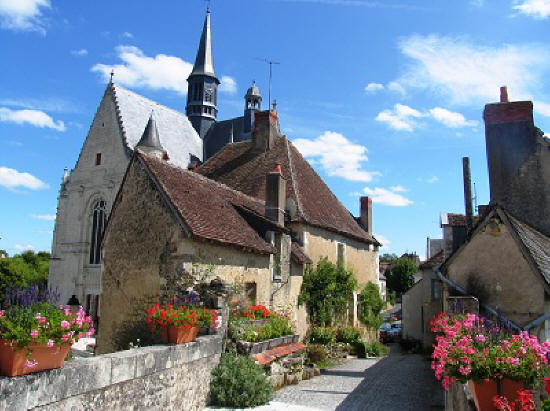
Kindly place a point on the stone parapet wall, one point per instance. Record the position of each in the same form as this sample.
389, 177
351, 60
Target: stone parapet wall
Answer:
156, 377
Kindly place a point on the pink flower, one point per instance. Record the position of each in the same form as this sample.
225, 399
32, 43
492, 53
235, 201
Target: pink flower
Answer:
465, 370
65, 338
90, 332
49, 343
34, 334
65, 324
30, 363
480, 338
1, 313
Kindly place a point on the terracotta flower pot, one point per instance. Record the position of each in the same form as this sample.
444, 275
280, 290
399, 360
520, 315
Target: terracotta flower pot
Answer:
485, 391
12, 361
179, 335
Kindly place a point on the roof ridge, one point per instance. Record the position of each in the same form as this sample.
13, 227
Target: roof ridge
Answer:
201, 177
119, 115
148, 99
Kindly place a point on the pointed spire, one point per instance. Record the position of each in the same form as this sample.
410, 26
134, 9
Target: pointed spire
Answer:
204, 63
150, 141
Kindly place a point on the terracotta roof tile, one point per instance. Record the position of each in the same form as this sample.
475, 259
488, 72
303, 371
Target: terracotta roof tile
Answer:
436, 259
208, 208
273, 354
238, 167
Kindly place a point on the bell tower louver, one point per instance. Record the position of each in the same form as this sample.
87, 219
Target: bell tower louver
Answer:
202, 92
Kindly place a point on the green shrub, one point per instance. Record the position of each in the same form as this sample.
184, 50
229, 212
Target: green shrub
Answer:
371, 305
348, 335
239, 382
321, 335
316, 354
372, 349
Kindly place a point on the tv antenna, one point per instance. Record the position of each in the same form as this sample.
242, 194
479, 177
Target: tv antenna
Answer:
271, 63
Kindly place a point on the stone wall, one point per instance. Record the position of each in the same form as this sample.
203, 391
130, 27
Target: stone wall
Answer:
156, 378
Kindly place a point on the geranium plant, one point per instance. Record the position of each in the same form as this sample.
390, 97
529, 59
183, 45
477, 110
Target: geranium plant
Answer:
43, 324
181, 317
469, 347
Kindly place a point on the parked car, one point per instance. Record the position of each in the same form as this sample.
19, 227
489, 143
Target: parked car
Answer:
395, 332
383, 332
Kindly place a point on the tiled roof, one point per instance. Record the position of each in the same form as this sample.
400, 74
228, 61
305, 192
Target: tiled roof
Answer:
298, 254
435, 260
208, 209
537, 244
240, 168
456, 220
177, 135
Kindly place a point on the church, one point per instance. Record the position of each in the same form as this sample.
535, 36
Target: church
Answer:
180, 189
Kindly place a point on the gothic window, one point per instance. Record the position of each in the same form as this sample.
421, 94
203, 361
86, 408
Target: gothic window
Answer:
98, 223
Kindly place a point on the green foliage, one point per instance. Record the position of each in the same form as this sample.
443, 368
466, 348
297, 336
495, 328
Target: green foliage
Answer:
327, 291
376, 349
23, 269
348, 335
321, 335
371, 305
276, 325
388, 258
239, 382
400, 278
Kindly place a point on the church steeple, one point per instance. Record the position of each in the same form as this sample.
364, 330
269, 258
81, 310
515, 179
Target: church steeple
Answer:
202, 92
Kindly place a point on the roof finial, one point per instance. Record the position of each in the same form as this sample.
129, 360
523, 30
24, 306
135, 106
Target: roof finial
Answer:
112, 74
207, 6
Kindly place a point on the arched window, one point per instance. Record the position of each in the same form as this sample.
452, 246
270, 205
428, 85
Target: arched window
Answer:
98, 223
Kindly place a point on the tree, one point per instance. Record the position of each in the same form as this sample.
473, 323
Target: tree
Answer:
23, 270
371, 305
388, 258
327, 291
401, 276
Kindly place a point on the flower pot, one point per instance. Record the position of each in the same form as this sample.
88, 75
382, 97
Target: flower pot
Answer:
12, 361
179, 335
485, 391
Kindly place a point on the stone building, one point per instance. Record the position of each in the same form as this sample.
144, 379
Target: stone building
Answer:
87, 192
505, 260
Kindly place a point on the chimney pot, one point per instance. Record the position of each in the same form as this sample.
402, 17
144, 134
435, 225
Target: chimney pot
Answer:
503, 94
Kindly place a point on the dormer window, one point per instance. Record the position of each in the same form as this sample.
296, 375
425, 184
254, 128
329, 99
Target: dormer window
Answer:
98, 159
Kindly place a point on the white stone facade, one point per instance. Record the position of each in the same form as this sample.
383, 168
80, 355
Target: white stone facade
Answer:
97, 176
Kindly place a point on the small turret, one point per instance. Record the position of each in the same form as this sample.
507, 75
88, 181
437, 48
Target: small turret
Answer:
150, 141
252, 104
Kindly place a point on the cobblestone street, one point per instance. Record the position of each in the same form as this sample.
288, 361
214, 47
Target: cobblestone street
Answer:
398, 382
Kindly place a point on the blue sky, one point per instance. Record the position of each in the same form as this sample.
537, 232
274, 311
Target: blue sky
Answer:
384, 97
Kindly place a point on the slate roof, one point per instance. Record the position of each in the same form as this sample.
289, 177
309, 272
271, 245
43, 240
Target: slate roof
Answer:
435, 260
177, 135
209, 210
240, 168
536, 243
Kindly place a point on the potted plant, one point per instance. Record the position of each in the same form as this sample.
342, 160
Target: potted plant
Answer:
38, 337
471, 349
181, 324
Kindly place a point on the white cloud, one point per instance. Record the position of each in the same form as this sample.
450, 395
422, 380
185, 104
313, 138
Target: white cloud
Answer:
374, 87
542, 108
138, 70
127, 35
387, 197
43, 217
471, 74
228, 85
337, 155
398, 189
20, 247
539, 9
396, 87
451, 118
24, 15
81, 52
384, 241
35, 117
400, 118
430, 180
12, 178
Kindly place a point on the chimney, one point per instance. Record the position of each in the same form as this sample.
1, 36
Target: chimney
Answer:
365, 218
467, 192
275, 196
266, 129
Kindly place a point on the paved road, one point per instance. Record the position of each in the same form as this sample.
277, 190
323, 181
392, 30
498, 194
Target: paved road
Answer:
400, 382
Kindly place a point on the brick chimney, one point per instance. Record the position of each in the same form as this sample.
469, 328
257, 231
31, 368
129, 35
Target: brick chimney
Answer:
365, 218
275, 195
518, 160
266, 129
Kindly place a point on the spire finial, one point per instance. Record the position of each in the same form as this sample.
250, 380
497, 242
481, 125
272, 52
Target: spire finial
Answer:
207, 6
112, 74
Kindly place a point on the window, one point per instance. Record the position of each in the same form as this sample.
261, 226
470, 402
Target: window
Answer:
98, 159
98, 223
341, 256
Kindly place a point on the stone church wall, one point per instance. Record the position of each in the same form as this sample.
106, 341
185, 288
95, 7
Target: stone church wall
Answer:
159, 377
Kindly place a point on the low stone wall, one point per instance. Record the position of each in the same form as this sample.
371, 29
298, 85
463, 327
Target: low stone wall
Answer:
157, 377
